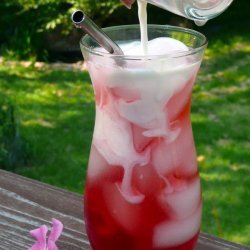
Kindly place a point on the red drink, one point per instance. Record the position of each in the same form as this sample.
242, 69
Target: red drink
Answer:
143, 188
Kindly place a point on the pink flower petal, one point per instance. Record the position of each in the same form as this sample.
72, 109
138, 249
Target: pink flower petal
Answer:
128, 3
52, 245
56, 230
40, 235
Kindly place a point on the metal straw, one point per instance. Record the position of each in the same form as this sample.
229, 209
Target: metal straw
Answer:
83, 22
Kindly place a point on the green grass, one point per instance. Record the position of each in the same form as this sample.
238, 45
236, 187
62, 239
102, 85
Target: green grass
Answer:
221, 124
55, 111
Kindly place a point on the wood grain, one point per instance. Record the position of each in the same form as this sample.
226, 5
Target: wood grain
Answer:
26, 204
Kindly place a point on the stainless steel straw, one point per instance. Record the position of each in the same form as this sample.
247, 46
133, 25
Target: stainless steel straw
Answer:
84, 22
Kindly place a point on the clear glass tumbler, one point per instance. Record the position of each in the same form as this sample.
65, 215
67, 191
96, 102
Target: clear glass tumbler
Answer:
143, 188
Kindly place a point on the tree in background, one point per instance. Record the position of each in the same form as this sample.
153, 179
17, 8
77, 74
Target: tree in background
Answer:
24, 22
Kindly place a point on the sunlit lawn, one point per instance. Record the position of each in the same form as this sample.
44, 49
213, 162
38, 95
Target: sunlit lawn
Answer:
56, 114
221, 124
55, 111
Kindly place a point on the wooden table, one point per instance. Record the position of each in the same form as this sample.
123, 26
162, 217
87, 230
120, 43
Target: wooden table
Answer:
26, 204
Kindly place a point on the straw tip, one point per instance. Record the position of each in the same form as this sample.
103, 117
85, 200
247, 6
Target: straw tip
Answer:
77, 16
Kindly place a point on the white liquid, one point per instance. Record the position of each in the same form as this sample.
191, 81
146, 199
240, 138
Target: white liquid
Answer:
200, 22
142, 13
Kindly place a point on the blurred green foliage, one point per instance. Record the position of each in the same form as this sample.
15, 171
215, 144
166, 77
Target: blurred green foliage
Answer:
24, 22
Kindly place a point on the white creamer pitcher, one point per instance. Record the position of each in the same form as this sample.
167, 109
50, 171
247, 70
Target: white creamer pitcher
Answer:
198, 10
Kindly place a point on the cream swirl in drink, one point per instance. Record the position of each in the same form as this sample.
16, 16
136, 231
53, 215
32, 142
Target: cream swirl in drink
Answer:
143, 189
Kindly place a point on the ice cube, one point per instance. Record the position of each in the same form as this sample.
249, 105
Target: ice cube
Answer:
97, 164
175, 79
147, 180
113, 139
181, 100
140, 112
176, 232
102, 96
165, 46
124, 213
140, 141
138, 78
183, 202
157, 46
125, 94
163, 158
177, 156
184, 148
150, 115
126, 188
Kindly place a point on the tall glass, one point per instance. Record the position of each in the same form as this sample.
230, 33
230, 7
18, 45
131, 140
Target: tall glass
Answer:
143, 189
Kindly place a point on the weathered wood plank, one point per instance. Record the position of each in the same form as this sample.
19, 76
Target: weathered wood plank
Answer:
208, 242
26, 204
